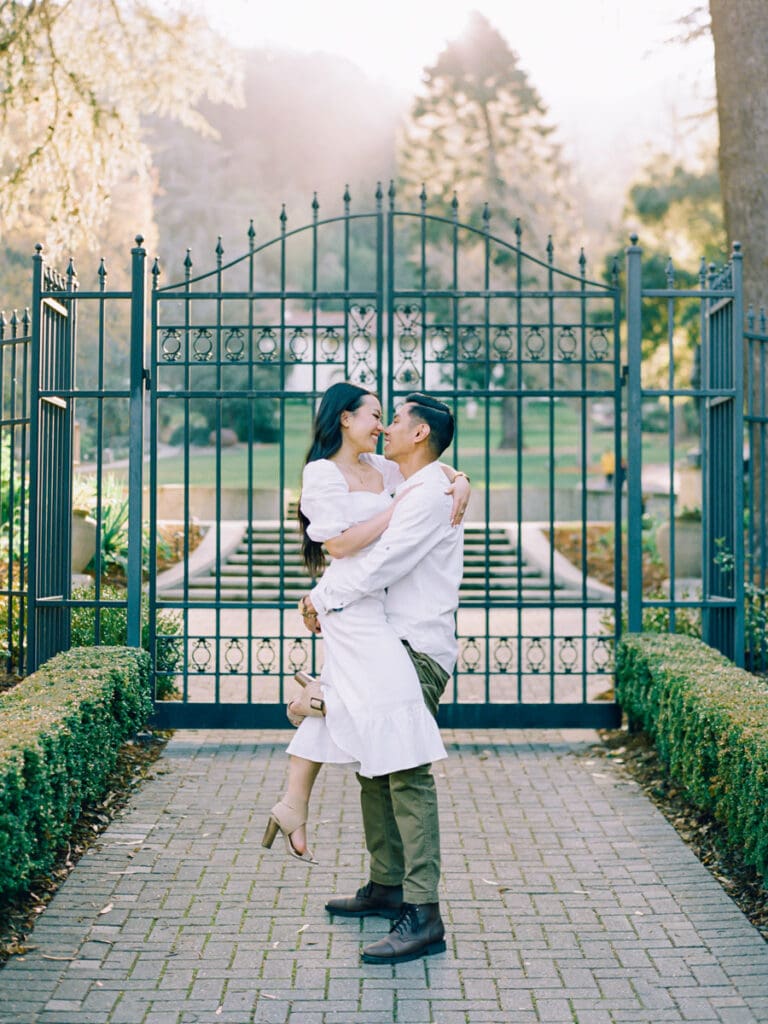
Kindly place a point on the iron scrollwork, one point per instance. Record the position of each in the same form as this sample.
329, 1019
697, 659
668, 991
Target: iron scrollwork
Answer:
362, 344
407, 329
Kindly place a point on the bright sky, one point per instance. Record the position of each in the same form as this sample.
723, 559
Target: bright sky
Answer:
603, 67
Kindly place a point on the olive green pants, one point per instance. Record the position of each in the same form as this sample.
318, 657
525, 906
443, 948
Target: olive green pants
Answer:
400, 817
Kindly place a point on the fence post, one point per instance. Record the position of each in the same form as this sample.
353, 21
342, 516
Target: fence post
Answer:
634, 437
738, 349
31, 663
136, 445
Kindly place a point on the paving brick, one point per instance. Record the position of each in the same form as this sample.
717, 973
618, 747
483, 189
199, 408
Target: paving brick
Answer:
566, 896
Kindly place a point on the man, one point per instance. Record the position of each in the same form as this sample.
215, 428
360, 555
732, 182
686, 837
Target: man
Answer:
419, 559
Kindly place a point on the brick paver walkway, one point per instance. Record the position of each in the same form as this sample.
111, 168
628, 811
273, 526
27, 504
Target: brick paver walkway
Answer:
566, 895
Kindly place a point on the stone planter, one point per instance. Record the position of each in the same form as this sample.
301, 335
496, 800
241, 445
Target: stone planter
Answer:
83, 540
687, 547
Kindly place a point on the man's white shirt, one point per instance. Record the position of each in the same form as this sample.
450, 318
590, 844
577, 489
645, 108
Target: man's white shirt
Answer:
419, 560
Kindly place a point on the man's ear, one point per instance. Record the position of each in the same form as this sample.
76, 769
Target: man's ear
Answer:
422, 432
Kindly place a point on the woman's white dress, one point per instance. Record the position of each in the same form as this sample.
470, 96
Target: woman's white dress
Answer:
376, 717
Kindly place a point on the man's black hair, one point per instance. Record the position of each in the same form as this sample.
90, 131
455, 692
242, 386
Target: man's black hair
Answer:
436, 415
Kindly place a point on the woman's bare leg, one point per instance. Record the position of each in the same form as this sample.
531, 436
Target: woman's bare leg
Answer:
301, 778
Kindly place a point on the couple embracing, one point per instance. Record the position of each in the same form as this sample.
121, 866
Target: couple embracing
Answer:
385, 606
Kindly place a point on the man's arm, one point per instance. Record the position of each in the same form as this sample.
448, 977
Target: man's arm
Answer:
416, 526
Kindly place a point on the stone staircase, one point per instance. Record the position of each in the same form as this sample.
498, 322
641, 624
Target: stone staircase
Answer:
252, 571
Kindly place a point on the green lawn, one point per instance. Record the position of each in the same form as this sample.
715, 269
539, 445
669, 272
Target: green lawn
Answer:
541, 448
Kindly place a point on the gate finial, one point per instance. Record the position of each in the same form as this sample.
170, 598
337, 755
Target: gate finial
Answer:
669, 270
582, 262
102, 275
423, 197
486, 218
347, 198
155, 272
550, 250
188, 265
455, 207
315, 206
283, 218
391, 194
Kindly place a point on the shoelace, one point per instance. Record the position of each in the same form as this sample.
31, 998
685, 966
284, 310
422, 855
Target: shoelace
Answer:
408, 920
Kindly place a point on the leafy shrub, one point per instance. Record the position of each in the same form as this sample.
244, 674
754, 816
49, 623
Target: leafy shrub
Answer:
113, 631
708, 720
60, 732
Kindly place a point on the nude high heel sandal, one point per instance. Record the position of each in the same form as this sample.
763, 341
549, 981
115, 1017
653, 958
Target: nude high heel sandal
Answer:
286, 819
310, 702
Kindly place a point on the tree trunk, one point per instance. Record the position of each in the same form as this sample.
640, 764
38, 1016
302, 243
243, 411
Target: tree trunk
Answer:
740, 33
509, 426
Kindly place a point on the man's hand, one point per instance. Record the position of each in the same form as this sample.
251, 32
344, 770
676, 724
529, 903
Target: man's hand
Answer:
309, 614
459, 490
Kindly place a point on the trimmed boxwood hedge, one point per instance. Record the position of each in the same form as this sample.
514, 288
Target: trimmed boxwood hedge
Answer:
60, 732
708, 720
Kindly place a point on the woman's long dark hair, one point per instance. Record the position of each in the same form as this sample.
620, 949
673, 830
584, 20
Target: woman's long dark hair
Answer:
326, 441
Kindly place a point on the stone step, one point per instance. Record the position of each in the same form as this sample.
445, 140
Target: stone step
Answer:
253, 571
209, 593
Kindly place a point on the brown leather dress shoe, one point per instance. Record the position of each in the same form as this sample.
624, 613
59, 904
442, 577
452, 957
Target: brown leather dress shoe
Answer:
417, 932
372, 899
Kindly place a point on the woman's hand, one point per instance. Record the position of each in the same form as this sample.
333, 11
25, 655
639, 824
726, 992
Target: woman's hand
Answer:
308, 614
460, 490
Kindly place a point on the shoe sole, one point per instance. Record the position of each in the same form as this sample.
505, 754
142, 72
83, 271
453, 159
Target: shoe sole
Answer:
391, 915
430, 950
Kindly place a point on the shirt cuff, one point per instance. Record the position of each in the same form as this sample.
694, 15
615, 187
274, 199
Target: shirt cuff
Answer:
316, 597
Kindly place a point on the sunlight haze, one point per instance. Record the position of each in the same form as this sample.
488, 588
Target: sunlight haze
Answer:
612, 80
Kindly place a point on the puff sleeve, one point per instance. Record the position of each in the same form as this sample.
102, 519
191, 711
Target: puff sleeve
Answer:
389, 470
324, 500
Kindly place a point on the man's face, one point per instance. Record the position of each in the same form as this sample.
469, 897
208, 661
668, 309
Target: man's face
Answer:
402, 433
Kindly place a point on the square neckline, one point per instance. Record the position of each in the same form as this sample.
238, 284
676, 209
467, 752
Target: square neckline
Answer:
361, 490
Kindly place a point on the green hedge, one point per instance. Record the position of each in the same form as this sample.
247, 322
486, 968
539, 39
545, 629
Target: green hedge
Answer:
60, 733
708, 720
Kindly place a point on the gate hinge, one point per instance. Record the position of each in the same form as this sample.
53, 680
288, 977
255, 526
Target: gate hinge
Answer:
624, 374
146, 378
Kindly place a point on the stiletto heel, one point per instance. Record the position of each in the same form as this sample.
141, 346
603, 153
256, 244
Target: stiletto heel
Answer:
270, 832
305, 679
310, 702
287, 819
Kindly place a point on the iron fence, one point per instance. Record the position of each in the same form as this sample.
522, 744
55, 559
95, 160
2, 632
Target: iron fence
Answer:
756, 504
704, 489
15, 338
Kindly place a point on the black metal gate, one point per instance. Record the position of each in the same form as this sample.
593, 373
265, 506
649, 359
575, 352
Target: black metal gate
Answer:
528, 357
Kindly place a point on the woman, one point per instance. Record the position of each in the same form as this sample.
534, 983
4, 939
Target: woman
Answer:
375, 715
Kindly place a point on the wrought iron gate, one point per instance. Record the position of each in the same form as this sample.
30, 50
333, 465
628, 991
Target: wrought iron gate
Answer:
528, 357
220, 405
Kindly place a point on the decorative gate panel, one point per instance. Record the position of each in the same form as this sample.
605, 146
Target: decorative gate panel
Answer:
527, 356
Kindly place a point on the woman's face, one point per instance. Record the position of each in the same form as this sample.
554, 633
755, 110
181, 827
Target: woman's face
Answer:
362, 426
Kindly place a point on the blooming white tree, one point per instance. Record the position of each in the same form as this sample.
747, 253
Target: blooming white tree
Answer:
78, 81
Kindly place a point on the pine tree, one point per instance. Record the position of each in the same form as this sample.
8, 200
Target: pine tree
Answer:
479, 132
480, 128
